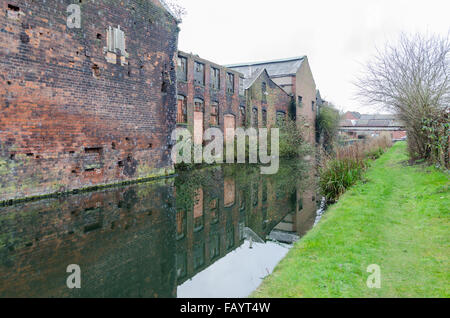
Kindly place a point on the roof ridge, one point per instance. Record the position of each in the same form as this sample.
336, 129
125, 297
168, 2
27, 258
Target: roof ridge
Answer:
267, 62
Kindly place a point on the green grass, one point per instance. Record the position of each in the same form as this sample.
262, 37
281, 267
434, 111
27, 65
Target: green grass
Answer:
398, 219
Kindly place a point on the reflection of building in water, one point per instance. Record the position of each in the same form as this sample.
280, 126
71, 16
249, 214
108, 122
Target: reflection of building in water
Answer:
224, 212
136, 241
121, 238
296, 224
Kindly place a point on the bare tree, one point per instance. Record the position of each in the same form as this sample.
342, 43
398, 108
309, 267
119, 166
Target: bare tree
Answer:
175, 8
412, 78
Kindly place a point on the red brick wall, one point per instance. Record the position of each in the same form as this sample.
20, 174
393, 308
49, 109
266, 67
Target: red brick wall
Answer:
228, 103
53, 106
398, 134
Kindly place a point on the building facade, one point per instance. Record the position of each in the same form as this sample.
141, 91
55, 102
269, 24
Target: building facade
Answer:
294, 75
360, 126
209, 95
89, 105
267, 104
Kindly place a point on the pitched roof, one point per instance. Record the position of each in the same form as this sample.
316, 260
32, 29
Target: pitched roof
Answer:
275, 68
376, 120
248, 81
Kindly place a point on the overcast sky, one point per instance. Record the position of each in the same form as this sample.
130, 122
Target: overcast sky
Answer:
338, 36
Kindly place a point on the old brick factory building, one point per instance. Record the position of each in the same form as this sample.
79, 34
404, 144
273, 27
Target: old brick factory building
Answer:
84, 106
96, 104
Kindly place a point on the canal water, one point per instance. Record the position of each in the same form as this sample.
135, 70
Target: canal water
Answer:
214, 232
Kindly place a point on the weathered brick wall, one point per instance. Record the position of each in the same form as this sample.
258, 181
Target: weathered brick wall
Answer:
228, 103
68, 117
276, 100
306, 87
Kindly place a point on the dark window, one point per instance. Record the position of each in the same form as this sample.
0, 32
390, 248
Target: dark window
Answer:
214, 114
243, 117
230, 83
199, 73
264, 118
255, 118
215, 78
182, 68
264, 92
313, 104
198, 105
300, 101
281, 117
181, 110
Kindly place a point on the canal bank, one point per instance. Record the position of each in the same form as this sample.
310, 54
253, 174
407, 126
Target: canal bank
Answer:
398, 218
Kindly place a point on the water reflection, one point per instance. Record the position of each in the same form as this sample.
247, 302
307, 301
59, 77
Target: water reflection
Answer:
206, 233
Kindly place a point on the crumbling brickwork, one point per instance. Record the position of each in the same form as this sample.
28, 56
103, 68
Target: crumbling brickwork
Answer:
73, 112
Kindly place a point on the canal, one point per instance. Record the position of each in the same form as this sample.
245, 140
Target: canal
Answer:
213, 232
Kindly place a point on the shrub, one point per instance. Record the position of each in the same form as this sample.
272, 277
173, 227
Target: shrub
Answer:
338, 176
347, 168
292, 143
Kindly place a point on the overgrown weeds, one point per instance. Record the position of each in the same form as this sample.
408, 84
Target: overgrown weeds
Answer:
347, 167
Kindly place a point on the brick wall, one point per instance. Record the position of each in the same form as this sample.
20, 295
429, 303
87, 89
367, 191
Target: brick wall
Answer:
276, 100
70, 118
228, 103
306, 88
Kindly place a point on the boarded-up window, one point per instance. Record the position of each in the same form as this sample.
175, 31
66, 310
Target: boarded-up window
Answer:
181, 110
229, 192
230, 83
199, 73
198, 121
115, 39
182, 68
215, 78
214, 114
230, 127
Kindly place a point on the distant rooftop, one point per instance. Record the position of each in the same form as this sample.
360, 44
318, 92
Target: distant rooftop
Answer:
375, 120
275, 68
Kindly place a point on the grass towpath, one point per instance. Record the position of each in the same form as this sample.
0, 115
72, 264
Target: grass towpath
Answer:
398, 219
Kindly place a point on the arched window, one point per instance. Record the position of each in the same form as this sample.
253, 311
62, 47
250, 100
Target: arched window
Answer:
181, 110
255, 118
281, 118
199, 105
264, 118
242, 115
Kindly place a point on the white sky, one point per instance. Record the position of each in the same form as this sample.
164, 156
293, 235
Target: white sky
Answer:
338, 36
